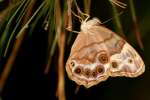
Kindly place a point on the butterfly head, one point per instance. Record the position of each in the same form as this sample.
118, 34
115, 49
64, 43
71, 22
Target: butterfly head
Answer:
86, 25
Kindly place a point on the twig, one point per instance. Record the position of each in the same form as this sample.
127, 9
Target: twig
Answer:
61, 44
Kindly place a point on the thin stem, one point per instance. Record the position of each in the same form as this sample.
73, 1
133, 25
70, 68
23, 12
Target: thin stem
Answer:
87, 5
61, 44
117, 20
26, 25
135, 23
14, 30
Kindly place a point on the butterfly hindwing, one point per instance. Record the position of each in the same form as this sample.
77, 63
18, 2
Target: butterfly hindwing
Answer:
126, 63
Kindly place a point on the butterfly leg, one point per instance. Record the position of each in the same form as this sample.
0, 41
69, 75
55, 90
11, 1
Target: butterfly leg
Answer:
69, 28
80, 12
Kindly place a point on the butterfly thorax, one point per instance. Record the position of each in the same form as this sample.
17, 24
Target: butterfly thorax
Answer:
86, 25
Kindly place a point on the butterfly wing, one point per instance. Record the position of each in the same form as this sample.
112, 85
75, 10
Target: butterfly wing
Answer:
99, 53
124, 59
126, 63
87, 70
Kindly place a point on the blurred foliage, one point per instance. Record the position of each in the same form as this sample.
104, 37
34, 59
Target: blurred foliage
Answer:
34, 46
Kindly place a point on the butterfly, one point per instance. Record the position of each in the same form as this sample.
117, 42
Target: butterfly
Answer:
98, 53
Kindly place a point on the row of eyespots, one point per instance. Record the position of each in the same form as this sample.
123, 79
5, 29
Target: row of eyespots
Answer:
103, 58
89, 73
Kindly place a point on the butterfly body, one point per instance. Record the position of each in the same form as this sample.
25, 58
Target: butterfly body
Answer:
98, 53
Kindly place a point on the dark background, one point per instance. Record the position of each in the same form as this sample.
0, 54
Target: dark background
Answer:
27, 80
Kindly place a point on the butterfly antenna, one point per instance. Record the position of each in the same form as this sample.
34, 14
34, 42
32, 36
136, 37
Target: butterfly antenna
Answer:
118, 3
80, 12
80, 19
111, 18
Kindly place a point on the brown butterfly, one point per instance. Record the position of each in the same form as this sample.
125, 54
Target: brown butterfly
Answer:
98, 53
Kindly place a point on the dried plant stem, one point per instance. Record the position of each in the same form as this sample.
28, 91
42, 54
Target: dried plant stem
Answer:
135, 24
50, 23
61, 80
46, 71
69, 21
53, 48
61, 44
87, 5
